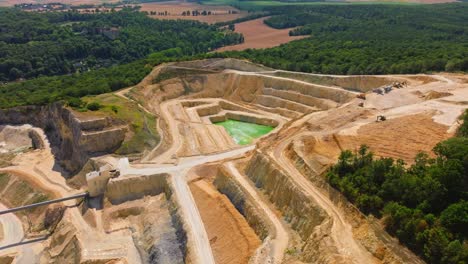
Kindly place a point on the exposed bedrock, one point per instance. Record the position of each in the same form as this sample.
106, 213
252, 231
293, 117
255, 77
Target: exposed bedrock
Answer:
36, 139
227, 186
73, 140
64, 246
14, 139
300, 210
161, 236
165, 246
224, 63
271, 93
253, 214
127, 188
254, 119
361, 83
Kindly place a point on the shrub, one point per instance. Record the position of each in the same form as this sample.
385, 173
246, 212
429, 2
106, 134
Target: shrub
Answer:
75, 102
94, 106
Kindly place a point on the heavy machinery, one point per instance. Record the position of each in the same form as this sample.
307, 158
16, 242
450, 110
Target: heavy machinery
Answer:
381, 118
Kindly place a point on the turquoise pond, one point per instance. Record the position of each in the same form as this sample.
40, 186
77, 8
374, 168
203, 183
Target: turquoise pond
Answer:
244, 133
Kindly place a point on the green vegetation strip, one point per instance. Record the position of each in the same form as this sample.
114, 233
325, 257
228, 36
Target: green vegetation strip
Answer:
244, 133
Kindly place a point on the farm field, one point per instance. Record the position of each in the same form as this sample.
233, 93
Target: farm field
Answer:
257, 35
219, 13
68, 2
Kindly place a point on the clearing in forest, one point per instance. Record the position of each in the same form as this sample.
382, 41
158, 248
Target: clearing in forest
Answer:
257, 35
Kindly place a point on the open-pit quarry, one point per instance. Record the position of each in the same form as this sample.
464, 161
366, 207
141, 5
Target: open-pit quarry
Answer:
236, 174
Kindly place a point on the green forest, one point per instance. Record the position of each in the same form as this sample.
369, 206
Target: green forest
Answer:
44, 90
425, 205
369, 39
69, 55
56, 43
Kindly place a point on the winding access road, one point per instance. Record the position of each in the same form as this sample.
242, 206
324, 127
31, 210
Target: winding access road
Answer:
13, 235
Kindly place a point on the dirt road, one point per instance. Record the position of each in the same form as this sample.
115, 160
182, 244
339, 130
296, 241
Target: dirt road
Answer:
192, 216
280, 240
199, 238
14, 234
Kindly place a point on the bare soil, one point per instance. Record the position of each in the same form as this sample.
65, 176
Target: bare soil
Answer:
232, 240
14, 138
399, 138
6, 259
257, 35
68, 2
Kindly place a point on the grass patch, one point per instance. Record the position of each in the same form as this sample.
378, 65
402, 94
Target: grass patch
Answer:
5, 159
37, 198
141, 124
18, 192
4, 179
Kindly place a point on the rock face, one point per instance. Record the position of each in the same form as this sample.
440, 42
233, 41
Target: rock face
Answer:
291, 97
64, 246
164, 245
227, 186
361, 83
305, 217
145, 204
73, 140
130, 188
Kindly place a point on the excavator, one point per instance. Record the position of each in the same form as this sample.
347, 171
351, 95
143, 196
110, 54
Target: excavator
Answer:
381, 118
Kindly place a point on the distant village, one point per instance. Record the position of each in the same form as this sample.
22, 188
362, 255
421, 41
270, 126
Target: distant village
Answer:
112, 7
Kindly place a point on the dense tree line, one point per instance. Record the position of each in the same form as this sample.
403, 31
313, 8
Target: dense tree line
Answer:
425, 205
44, 90
46, 44
369, 39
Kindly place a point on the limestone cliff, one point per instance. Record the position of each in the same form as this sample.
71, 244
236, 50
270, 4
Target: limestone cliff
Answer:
129, 188
73, 140
226, 185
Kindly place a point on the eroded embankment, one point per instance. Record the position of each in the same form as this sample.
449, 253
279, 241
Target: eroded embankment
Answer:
144, 204
259, 214
362, 83
64, 246
232, 240
72, 140
229, 187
